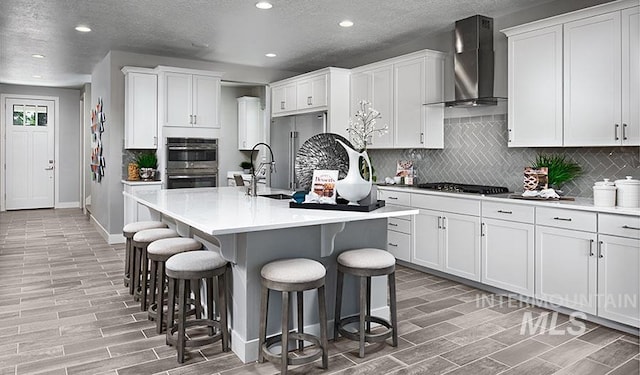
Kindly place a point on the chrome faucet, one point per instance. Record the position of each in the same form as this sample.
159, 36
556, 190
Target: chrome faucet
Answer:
253, 185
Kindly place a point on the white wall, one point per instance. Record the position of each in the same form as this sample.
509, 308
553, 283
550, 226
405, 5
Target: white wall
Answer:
69, 138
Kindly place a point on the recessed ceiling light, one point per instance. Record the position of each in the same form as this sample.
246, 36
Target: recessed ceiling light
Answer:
83, 29
37, 56
264, 5
36, 76
346, 23
270, 55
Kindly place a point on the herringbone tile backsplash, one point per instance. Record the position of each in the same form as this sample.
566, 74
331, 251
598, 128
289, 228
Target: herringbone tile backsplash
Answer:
475, 152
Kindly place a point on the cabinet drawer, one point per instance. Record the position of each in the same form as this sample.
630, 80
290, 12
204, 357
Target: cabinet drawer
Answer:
399, 225
568, 219
619, 225
399, 244
508, 211
447, 204
395, 197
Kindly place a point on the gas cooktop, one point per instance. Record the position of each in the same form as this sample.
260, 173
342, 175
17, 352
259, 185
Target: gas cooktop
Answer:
463, 188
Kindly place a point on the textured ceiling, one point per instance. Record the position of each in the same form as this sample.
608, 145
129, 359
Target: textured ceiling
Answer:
304, 33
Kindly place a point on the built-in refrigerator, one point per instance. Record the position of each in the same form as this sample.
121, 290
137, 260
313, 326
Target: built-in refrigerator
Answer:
287, 135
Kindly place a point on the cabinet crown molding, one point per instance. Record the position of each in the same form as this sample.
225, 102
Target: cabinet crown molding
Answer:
422, 53
136, 69
331, 70
571, 16
173, 69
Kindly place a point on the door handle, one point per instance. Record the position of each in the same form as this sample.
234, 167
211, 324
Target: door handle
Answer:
600, 255
624, 132
482, 226
628, 227
616, 132
590, 248
505, 212
49, 168
282, 104
309, 100
439, 222
444, 221
190, 119
562, 218
393, 224
195, 119
421, 138
392, 244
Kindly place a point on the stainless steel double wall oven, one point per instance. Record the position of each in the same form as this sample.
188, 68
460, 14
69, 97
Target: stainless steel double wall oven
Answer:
192, 162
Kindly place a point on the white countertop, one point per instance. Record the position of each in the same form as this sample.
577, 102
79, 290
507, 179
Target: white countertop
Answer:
228, 210
582, 204
140, 182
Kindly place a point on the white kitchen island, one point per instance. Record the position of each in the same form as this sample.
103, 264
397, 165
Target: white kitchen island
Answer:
252, 231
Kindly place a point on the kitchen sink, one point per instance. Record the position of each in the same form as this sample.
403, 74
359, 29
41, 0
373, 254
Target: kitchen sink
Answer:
276, 196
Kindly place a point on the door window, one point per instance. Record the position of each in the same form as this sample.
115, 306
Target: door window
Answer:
29, 115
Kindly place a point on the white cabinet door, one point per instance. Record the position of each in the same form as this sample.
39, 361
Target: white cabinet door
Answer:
631, 76
177, 99
462, 245
592, 81
508, 255
427, 246
566, 268
409, 93
141, 111
535, 88
619, 279
206, 97
382, 101
434, 92
311, 93
250, 129
283, 99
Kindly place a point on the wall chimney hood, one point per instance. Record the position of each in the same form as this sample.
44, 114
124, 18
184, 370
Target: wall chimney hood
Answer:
473, 63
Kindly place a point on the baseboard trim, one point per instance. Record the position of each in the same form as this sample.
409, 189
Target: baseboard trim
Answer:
110, 238
68, 205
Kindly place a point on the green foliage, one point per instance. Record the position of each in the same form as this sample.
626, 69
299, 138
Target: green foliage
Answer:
561, 170
147, 160
245, 165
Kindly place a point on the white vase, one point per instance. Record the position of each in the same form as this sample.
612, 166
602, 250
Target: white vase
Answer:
353, 187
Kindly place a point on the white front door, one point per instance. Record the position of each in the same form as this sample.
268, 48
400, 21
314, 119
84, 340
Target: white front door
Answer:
30, 153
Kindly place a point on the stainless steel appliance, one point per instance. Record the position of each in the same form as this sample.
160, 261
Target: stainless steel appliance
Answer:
192, 162
463, 188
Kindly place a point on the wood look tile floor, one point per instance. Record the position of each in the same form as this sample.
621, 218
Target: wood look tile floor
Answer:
64, 310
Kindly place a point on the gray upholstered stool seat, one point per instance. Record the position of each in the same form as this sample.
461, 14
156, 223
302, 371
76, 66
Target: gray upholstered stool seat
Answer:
128, 231
193, 267
286, 276
365, 263
158, 252
141, 241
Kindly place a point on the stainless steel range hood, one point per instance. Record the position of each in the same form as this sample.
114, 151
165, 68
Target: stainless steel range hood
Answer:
473, 63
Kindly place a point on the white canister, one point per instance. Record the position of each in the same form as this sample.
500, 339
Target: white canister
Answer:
604, 193
628, 192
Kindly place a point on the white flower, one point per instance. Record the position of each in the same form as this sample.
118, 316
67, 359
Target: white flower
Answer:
363, 126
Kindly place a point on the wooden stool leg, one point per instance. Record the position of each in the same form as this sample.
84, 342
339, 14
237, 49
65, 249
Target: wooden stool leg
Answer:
368, 304
171, 307
285, 333
300, 300
338, 312
195, 288
134, 282
153, 274
392, 305
222, 302
127, 255
182, 297
264, 302
144, 274
322, 315
211, 314
363, 312
160, 298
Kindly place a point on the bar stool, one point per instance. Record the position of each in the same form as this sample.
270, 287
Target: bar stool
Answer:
141, 241
182, 270
128, 231
158, 252
365, 263
286, 276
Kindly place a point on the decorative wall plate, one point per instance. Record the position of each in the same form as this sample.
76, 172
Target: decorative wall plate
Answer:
321, 152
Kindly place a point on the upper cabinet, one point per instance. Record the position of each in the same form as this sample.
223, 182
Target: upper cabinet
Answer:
250, 122
322, 90
140, 108
189, 98
573, 79
398, 88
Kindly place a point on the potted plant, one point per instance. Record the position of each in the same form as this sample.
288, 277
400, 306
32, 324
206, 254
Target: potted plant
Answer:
147, 163
560, 169
246, 166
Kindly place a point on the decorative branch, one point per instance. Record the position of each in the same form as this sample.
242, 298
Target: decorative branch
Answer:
363, 126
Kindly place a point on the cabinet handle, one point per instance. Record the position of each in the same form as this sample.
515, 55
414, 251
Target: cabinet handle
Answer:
628, 227
439, 222
482, 226
444, 222
393, 244
421, 138
393, 224
155, 141
190, 119
624, 132
590, 248
282, 104
195, 119
393, 198
616, 132
562, 218
509, 135
309, 100
600, 255
505, 212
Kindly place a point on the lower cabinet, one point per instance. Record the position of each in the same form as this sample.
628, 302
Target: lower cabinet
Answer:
428, 240
619, 279
508, 255
566, 268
